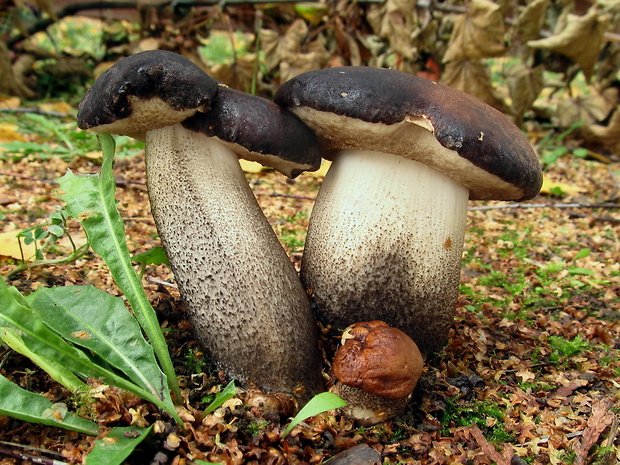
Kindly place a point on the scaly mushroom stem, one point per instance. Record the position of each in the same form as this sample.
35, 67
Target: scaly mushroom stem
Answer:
242, 294
384, 243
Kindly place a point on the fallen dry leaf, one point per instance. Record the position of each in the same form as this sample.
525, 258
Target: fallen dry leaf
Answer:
601, 418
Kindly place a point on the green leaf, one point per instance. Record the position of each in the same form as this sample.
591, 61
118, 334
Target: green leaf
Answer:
117, 445
60, 373
320, 403
98, 321
220, 398
581, 152
583, 253
24, 405
91, 200
155, 256
580, 271
56, 230
16, 312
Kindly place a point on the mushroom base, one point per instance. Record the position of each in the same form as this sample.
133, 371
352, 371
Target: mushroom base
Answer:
384, 243
366, 408
242, 294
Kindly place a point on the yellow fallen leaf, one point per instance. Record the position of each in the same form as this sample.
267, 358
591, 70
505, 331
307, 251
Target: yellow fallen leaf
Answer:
549, 186
9, 246
322, 171
9, 102
250, 166
60, 107
8, 133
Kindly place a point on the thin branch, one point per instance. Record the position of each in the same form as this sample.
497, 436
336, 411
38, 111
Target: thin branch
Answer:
37, 111
75, 8
26, 177
150, 279
286, 196
545, 205
25, 456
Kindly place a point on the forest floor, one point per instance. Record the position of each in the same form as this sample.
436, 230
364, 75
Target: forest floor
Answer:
530, 374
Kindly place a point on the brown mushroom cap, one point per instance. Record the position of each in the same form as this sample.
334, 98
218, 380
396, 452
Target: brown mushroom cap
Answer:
257, 129
378, 359
383, 110
145, 91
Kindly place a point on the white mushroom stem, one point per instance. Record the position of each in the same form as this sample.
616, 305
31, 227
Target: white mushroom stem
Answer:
384, 243
242, 294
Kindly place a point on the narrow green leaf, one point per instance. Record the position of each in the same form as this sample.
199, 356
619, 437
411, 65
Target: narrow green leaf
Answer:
92, 318
580, 271
117, 445
58, 372
91, 200
220, 398
24, 405
320, 403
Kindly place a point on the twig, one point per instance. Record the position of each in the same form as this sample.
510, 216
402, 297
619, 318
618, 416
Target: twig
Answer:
609, 219
37, 111
75, 8
286, 196
28, 178
25, 456
545, 205
161, 282
73, 256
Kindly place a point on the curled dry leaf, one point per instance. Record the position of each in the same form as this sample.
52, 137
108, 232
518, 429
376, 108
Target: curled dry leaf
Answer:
396, 21
477, 34
580, 39
608, 135
524, 85
591, 110
531, 20
473, 77
294, 57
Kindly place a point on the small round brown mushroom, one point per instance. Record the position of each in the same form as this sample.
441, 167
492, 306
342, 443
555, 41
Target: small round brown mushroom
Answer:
241, 292
377, 368
386, 233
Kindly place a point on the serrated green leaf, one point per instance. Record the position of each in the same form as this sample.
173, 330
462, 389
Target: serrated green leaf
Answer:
24, 405
98, 321
91, 200
320, 403
114, 448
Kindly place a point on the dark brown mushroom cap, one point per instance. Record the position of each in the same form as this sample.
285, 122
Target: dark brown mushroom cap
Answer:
259, 130
378, 359
460, 122
118, 101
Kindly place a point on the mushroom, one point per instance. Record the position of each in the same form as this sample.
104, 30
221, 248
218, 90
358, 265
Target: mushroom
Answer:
376, 368
386, 233
242, 294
